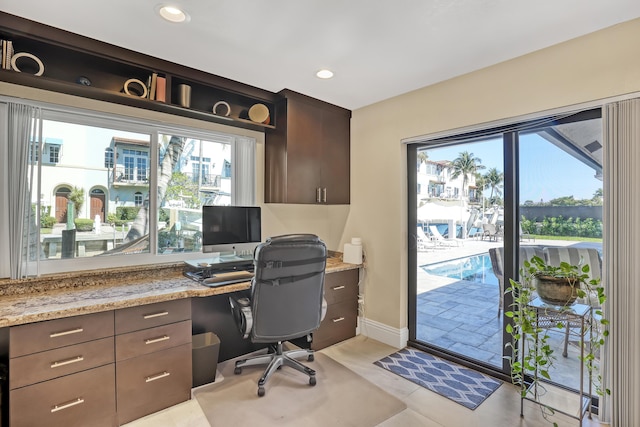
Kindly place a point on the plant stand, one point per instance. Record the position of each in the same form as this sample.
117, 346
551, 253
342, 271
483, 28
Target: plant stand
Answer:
577, 314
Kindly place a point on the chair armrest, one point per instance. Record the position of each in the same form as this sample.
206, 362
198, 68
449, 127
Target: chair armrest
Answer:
242, 315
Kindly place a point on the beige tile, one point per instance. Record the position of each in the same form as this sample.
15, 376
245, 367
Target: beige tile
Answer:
186, 414
424, 408
409, 418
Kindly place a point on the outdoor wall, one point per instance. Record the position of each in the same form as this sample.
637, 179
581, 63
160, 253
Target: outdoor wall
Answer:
538, 213
593, 67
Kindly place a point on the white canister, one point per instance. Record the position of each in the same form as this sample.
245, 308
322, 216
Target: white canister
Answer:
353, 251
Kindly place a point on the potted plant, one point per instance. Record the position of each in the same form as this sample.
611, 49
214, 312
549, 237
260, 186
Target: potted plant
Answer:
533, 357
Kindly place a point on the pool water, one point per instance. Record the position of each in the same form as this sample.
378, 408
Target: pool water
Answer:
476, 268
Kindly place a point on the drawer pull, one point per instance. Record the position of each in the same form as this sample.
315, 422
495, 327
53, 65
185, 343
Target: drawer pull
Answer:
151, 316
155, 340
157, 377
339, 319
63, 333
67, 362
67, 405
337, 288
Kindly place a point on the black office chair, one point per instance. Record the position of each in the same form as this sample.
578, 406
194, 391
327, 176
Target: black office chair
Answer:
286, 301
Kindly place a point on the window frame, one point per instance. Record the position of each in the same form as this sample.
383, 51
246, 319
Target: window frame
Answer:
140, 125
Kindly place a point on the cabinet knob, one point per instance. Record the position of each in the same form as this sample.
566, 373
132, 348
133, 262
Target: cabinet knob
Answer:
318, 190
324, 195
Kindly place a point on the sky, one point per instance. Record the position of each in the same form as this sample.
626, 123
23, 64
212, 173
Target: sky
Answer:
546, 172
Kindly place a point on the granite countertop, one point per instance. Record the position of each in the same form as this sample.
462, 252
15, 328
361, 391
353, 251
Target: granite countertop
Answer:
52, 297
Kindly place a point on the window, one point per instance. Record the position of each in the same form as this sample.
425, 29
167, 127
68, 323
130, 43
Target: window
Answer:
143, 192
34, 151
191, 185
108, 158
54, 153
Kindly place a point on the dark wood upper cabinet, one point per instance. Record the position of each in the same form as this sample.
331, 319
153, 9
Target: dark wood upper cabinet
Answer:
307, 155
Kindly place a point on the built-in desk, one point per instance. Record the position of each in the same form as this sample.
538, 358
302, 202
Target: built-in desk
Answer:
66, 297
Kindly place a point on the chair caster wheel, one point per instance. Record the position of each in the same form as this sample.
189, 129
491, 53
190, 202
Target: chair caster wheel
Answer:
237, 370
260, 391
310, 358
312, 380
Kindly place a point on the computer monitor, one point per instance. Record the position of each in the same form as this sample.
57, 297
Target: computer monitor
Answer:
235, 229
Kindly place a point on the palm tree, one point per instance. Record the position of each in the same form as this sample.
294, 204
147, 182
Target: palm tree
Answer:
466, 164
174, 145
422, 157
494, 178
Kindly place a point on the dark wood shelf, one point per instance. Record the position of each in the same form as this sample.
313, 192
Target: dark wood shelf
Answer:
124, 99
67, 57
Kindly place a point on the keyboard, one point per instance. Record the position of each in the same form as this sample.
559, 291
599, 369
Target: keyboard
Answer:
229, 277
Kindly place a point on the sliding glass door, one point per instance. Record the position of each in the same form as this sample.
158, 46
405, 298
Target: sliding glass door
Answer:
479, 205
459, 217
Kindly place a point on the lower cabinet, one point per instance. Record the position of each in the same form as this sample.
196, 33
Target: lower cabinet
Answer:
341, 319
152, 382
83, 399
153, 358
103, 369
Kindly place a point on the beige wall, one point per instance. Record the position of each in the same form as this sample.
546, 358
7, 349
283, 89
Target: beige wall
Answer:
593, 67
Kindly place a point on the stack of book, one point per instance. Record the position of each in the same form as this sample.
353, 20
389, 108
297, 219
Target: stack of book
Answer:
157, 88
7, 53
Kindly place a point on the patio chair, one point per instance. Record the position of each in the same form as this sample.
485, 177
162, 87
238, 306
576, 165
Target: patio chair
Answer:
575, 256
491, 231
496, 255
524, 235
439, 239
422, 239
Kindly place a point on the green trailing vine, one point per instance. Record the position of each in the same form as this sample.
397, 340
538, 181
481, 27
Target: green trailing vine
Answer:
532, 356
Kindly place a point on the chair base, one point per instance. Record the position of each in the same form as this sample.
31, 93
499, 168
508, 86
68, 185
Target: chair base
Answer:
274, 360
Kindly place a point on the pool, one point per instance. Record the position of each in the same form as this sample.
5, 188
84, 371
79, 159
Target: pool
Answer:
476, 268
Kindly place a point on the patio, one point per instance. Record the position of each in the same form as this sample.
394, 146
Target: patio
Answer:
462, 316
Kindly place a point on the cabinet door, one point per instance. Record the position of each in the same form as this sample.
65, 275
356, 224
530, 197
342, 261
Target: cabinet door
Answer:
335, 157
304, 152
87, 398
152, 382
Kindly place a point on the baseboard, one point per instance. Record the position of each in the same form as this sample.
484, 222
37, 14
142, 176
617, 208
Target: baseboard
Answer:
384, 333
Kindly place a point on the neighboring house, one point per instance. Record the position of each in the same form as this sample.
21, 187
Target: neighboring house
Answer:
119, 178
435, 181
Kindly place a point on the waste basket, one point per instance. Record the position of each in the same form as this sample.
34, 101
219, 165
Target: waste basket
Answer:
204, 356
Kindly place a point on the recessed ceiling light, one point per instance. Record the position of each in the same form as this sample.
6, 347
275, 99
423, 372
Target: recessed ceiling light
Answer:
324, 74
172, 13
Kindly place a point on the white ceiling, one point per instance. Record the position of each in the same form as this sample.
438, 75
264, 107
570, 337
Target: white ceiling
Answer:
377, 49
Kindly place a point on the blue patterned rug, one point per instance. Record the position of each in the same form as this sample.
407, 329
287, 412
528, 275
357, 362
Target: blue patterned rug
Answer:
462, 385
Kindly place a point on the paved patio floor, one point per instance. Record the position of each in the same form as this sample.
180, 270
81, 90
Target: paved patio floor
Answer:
462, 316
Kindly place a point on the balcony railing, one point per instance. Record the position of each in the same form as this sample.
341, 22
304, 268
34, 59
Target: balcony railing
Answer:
208, 180
129, 177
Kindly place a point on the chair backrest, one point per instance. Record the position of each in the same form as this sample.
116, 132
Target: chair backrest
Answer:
489, 228
576, 256
435, 232
421, 234
287, 287
497, 258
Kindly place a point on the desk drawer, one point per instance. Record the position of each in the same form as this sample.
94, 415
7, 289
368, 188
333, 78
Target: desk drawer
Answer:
35, 337
147, 341
341, 286
152, 315
46, 365
152, 382
338, 325
84, 399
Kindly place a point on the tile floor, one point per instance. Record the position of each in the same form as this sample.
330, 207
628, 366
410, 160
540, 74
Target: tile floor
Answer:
424, 408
